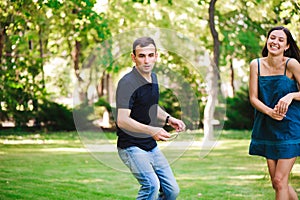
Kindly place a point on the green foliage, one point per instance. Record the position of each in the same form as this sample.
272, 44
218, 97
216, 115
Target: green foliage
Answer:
54, 116
185, 92
239, 113
32, 33
240, 34
85, 114
169, 102
104, 103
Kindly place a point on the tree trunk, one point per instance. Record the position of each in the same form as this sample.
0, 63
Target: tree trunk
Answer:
42, 56
213, 78
2, 36
82, 95
105, 89
232, 76
76, 59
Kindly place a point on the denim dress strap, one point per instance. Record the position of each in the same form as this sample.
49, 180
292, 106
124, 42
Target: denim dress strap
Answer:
258, 66
286, 65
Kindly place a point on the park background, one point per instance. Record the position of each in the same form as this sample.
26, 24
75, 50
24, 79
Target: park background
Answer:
61, 60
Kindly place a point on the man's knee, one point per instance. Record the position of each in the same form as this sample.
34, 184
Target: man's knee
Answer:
151, 186
171, 192
176, 190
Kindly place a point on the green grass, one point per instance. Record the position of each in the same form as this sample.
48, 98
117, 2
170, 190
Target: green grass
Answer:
56, 166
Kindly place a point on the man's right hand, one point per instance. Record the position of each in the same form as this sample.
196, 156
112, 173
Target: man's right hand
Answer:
160, 134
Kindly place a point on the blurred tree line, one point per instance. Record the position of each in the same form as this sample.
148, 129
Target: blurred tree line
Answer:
67, 37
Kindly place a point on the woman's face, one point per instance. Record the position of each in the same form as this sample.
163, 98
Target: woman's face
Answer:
277, 42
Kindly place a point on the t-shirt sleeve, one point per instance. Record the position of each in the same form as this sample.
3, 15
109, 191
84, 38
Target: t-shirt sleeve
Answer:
124, 94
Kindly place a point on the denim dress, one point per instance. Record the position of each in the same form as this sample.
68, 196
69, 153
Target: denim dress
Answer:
271, 138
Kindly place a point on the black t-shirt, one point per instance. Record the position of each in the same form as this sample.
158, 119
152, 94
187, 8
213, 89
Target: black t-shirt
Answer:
141, 97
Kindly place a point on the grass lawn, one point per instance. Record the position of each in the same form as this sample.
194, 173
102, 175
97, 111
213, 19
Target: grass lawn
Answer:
58, 166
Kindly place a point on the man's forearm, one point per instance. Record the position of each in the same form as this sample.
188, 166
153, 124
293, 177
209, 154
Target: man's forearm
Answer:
161, 114
132, 125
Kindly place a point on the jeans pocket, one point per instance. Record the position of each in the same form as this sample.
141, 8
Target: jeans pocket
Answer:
124, 156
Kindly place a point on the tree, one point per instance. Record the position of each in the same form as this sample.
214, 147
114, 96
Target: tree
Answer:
33, 33
36, 33
213, 78
21, 60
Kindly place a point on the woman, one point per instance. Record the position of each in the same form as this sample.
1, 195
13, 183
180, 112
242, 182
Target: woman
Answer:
274, 93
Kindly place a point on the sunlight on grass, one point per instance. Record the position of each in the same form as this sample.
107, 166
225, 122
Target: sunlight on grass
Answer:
32, 141
296, 168
90, 181
247, 177
64, 150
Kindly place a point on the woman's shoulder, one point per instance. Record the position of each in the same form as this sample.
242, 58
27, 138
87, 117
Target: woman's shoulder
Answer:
255, 62
292, 63
292, 60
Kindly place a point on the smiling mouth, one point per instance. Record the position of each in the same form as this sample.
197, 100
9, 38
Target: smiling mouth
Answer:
274, 46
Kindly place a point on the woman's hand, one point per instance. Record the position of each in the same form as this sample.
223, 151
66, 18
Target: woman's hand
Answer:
275, 115
282, 106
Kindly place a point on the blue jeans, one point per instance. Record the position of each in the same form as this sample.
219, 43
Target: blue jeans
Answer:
152, 171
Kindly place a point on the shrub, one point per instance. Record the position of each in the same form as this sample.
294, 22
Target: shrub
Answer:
54, 116
86, 114
239, 113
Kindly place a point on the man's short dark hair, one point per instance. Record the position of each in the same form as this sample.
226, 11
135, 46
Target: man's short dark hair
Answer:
142, 42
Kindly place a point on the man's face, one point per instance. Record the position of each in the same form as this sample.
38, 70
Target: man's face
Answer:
144, 58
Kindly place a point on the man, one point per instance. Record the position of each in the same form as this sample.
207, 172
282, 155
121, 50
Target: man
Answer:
138, 116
